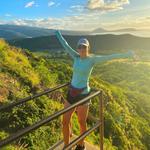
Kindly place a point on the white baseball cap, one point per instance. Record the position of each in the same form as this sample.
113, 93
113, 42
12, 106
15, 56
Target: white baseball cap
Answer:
83, 41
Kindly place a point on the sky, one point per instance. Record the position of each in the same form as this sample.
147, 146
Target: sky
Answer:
77, 14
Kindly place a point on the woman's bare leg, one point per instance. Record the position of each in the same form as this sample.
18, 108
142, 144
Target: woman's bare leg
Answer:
82, 113
66, 124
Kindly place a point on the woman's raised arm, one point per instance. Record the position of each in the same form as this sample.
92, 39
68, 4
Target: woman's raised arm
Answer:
65, 45
104, 58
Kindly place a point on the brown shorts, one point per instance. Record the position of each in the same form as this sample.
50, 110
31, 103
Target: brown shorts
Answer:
77, 98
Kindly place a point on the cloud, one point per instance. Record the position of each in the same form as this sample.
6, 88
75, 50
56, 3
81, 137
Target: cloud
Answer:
76, 9
103, 5
78, 22
130, 22
94, 4
98, 6
8, 15
58, 4
51, 3
81, 18
83, 22
29, 4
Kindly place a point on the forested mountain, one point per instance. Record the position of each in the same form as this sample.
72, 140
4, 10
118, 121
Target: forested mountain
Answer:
125, 84
37, 39
105, 42
11, 32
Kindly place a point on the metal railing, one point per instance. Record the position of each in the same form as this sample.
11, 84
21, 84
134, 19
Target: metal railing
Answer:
22, 132
21, 101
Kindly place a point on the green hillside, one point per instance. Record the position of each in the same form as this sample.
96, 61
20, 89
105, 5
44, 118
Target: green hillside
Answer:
125, 84
129, 84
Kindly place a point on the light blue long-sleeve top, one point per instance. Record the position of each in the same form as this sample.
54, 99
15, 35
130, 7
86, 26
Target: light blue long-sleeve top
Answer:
83, 67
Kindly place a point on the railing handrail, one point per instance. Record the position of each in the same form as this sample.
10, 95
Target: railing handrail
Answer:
44, 121
83, 135
100, 124
56, 145
21, 101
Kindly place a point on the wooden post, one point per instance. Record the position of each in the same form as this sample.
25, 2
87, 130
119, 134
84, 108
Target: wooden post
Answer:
101, 113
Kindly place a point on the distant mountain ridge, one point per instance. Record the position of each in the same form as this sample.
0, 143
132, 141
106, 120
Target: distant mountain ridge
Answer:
98, 42
101, 30
35, 38
16, 32
10, 32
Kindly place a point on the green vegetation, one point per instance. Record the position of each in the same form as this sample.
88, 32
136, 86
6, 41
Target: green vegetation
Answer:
125, 84
127, 114
23, 74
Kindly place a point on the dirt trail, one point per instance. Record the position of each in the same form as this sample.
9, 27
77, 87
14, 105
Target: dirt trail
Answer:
88, 145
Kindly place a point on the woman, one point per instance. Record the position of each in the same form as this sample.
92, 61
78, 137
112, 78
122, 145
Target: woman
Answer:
79, 88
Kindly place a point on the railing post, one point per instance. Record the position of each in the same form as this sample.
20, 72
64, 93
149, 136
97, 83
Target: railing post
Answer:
101, 127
